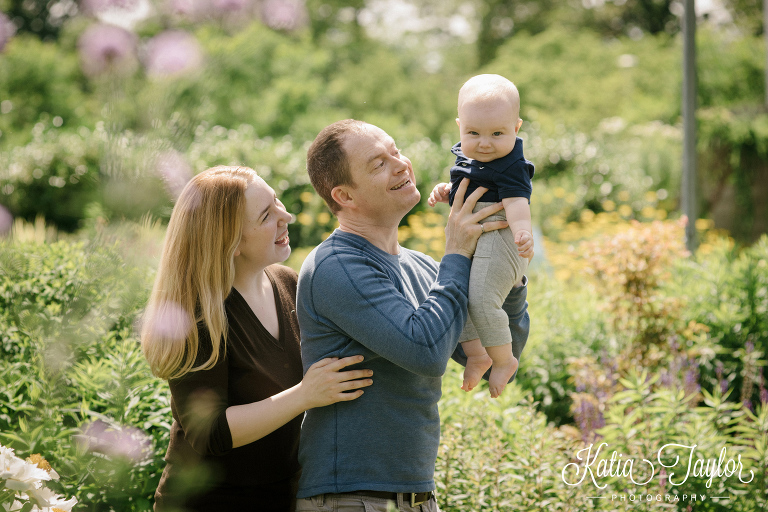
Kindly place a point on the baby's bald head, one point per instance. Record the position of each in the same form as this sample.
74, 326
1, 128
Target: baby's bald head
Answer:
482, 89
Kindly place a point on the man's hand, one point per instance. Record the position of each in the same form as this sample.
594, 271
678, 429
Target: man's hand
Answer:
439, 194
463, 228
524, 241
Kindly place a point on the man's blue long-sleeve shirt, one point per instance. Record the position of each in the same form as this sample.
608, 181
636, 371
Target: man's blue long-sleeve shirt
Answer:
404, 313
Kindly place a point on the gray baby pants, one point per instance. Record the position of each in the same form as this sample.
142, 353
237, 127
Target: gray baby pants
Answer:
496, 267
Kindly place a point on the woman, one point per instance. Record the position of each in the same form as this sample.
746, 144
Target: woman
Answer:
221, 326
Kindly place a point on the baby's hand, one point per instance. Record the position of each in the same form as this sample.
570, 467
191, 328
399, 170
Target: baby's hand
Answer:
524, 241
439, 194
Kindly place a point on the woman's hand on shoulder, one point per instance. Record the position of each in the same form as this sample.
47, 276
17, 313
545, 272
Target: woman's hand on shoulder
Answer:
325, 383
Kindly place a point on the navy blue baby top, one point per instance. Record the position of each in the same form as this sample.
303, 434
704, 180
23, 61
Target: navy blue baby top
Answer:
508, 176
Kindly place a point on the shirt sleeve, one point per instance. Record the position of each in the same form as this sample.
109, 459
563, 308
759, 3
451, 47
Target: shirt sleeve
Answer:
516, 308
368, 307
515, 181
201, 400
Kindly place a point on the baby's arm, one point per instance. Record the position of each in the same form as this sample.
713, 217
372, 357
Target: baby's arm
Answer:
439, 194
519, 218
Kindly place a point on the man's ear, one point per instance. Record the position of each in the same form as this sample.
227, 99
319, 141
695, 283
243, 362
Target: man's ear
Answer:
343, 196
519, 124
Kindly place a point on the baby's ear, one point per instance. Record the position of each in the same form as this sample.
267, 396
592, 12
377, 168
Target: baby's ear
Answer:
519, 124
458, 123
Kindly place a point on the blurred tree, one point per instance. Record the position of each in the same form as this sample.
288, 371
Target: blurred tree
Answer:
44, 18
615, 17
500, 18
336, 20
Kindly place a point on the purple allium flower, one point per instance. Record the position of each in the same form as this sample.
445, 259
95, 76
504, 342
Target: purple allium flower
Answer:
283, 14
723, 386
126, 442
172, 52
231, 5
171, 322
7, 29
97, 6
6, 221
106, 48
191, 9
174, 170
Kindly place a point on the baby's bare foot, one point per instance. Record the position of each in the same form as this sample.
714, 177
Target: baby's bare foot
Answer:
476, 368
500, 375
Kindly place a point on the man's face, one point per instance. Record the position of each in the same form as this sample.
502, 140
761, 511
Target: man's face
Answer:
384, 183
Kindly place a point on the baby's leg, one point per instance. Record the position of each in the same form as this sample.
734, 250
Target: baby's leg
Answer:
504, 367
478, 363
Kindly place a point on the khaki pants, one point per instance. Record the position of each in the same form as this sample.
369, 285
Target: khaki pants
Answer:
359, 503
496, 267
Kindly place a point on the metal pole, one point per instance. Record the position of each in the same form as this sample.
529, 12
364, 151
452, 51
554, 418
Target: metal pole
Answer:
765, 36
689, 124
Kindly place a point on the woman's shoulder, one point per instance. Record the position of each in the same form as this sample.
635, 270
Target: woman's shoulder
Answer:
283, 273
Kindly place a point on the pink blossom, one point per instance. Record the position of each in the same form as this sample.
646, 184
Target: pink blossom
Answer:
174, 170
284, 14
97, 6
7, 29
231, 5
106, 48
125, 442
172, 52
6, 221
171, 322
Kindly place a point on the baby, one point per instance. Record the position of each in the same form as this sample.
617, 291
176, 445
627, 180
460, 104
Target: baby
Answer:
491, 155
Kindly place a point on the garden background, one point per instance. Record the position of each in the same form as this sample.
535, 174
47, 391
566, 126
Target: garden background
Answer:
107, 107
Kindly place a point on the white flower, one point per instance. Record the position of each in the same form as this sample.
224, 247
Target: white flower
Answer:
20, 475
47, 499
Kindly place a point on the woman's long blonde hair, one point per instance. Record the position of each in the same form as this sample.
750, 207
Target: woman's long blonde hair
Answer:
196, 271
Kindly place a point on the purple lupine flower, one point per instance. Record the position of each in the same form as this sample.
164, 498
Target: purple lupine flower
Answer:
719, 370
175, 171
749, 347
588, 416
748, 404
763, 391
666, 379
284, 14
6, 221
691, 380
172, 52
7, 29
106, 48
723, 386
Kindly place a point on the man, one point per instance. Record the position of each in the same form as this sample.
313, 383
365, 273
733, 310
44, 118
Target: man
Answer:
361, 293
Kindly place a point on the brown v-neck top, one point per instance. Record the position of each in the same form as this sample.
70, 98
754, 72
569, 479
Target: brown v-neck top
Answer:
254, 367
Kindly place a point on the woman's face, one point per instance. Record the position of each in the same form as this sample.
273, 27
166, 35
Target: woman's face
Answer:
265, 228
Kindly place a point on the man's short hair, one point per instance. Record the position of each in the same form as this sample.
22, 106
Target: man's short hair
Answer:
327, 162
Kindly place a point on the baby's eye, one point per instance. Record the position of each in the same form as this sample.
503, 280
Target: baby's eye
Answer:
496, 134
473, 132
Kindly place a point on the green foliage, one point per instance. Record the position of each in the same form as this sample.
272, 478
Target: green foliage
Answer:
74, 381
39, 81
727, 290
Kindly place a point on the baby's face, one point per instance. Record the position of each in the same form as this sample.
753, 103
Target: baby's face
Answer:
488, 129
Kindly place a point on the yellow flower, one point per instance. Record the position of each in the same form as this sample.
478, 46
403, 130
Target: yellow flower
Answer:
625, 210
323, 217
609, 205
623, 195
559, 192
304, 219
306, 197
